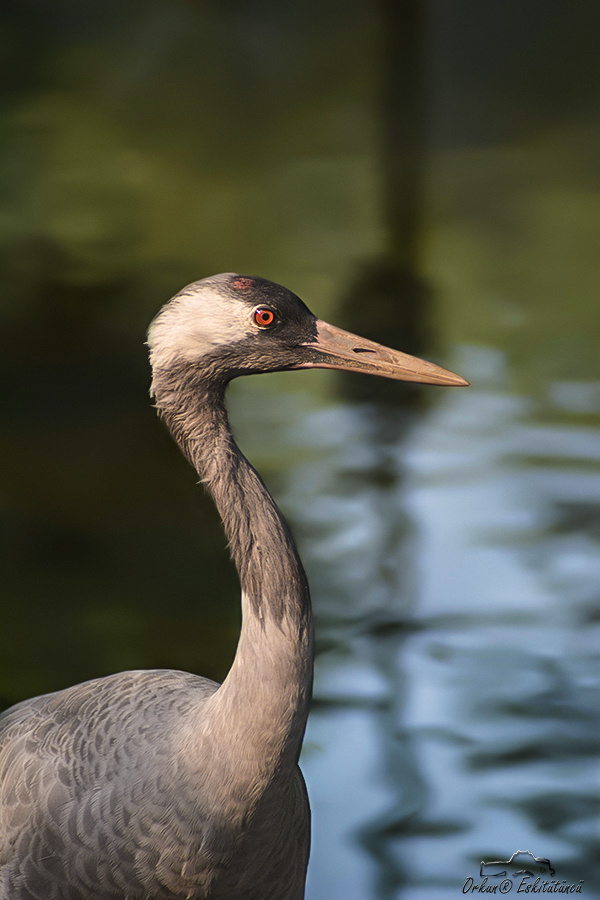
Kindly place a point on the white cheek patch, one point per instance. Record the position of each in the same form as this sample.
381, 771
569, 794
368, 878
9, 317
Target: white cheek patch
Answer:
196, 322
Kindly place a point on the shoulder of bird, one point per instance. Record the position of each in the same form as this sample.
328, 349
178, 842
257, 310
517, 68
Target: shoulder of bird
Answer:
75, 762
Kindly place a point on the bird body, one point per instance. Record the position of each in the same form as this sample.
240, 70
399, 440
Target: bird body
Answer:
121, 799
158, 785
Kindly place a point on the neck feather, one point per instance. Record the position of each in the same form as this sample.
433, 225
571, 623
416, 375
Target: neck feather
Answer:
263, 550
271, 678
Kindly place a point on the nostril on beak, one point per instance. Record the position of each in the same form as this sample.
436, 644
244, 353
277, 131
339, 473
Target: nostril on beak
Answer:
362, 350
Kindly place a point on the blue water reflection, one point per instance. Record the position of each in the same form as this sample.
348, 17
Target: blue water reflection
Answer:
456, 575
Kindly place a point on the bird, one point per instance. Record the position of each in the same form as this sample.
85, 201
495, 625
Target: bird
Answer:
159, 784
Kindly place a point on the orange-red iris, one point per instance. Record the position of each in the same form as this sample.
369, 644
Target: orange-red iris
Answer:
263, 317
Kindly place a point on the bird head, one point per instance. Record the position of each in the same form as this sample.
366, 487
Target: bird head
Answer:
230, 325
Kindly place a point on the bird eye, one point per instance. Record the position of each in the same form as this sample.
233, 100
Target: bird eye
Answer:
263, 316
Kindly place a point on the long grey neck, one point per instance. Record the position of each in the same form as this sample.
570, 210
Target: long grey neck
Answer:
266, 694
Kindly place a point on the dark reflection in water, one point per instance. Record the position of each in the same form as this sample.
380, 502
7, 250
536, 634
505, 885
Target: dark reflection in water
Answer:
456, 701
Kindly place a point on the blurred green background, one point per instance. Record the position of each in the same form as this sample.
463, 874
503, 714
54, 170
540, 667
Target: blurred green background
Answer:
425, 173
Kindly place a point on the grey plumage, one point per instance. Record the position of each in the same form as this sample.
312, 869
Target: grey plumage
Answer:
161, 784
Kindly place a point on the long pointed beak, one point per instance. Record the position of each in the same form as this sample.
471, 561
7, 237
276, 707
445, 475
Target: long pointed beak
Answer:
335, 348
